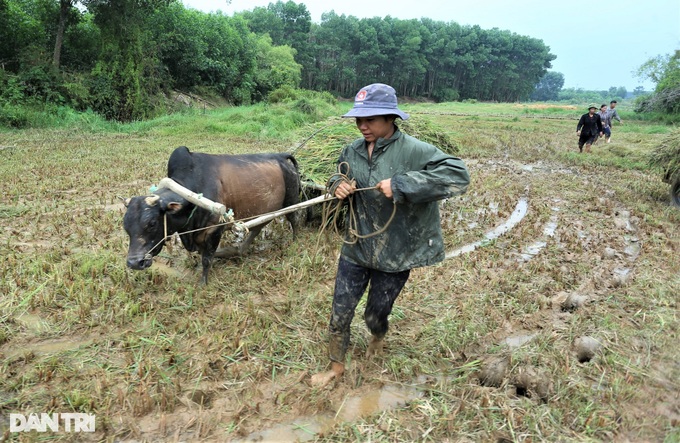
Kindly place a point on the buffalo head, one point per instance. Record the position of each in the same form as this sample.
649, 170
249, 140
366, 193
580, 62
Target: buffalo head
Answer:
144, 223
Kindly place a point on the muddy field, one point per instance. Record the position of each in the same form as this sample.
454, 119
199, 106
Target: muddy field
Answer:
553, 318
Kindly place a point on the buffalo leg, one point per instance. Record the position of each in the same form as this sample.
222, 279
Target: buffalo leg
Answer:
243, 247
211, 244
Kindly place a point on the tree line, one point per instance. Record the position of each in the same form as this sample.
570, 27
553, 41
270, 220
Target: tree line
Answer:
419, 58
119, 57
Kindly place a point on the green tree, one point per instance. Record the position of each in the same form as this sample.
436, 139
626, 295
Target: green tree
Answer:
665, 72
276, 68
126, 76
548, 87
212, 50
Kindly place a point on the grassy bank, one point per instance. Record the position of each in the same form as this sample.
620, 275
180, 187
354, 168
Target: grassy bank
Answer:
482, 347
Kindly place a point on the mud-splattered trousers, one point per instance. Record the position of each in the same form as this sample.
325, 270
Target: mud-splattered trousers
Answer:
350, 284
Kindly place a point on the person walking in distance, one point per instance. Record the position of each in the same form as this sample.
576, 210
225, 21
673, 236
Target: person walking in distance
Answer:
606, 121
408, 177
588, 129
613, 114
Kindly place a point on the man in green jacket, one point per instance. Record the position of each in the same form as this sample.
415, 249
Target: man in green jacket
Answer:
408, 178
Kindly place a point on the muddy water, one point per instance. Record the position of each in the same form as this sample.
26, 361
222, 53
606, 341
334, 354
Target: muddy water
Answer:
516, 216
518, 340
353, 408
36, 325
49, 346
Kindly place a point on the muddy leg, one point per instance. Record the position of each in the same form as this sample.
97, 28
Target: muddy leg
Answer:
337, 350
350, 283
375, 347
384, 290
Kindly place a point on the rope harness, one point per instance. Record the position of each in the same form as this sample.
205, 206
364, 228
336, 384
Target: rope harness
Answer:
328, 211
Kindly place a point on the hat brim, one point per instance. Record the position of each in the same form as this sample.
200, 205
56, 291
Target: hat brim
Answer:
373, 112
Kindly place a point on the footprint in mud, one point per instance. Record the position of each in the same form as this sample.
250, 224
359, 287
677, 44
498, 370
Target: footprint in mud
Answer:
573, 302
308, 428
586, 348
201, 398
532, 383
493, 371
620, 275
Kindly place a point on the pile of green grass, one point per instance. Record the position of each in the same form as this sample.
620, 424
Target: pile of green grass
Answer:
666, 156
318, 154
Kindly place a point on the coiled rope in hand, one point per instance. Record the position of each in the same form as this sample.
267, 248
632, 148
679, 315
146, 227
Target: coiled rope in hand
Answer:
334, 209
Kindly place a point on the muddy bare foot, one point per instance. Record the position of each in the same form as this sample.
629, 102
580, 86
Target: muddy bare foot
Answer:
375, 347
323, 378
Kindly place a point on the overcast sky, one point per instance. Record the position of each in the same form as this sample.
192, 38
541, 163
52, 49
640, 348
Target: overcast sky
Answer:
597, 43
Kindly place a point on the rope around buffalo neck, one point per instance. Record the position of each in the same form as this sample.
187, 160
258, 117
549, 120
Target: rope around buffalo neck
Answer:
334, 211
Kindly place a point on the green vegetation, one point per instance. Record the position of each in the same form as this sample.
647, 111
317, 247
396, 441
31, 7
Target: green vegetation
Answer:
126, 60
156, 356
666, 156
664, 71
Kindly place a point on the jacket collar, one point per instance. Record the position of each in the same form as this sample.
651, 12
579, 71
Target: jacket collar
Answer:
380, 145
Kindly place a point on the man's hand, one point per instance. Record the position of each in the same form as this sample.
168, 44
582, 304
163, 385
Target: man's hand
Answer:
385, 187
344, 189
578, 132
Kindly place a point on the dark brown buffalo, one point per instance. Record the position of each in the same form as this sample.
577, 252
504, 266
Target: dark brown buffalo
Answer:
250, 185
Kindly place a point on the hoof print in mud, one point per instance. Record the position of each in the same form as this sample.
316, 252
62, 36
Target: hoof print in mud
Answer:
493, 371
573, 302
532, 383
201, 398
609, 253
586, 348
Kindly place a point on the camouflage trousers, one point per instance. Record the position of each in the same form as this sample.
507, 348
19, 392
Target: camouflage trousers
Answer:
350, 284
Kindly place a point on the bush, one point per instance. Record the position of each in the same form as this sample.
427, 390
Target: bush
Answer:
445, 95
42, 83
11, 89
14, 116
282, 94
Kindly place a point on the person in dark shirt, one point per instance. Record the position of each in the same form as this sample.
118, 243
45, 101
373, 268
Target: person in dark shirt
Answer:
588, 129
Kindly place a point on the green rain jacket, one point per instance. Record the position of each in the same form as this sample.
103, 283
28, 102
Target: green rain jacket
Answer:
421, 175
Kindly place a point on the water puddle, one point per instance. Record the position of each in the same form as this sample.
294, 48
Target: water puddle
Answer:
518, 340
516, 216
49, 347
309, 427
633, 247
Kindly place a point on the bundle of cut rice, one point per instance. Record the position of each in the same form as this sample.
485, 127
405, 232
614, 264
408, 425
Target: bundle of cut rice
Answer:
666, 156
317, 156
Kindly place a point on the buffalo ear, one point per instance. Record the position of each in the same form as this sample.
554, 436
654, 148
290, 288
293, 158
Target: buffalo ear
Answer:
173, 207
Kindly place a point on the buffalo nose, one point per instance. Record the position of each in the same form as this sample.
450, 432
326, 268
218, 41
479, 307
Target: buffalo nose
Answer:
136, 263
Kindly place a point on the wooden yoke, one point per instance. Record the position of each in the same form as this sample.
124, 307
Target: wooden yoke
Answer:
197, 199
